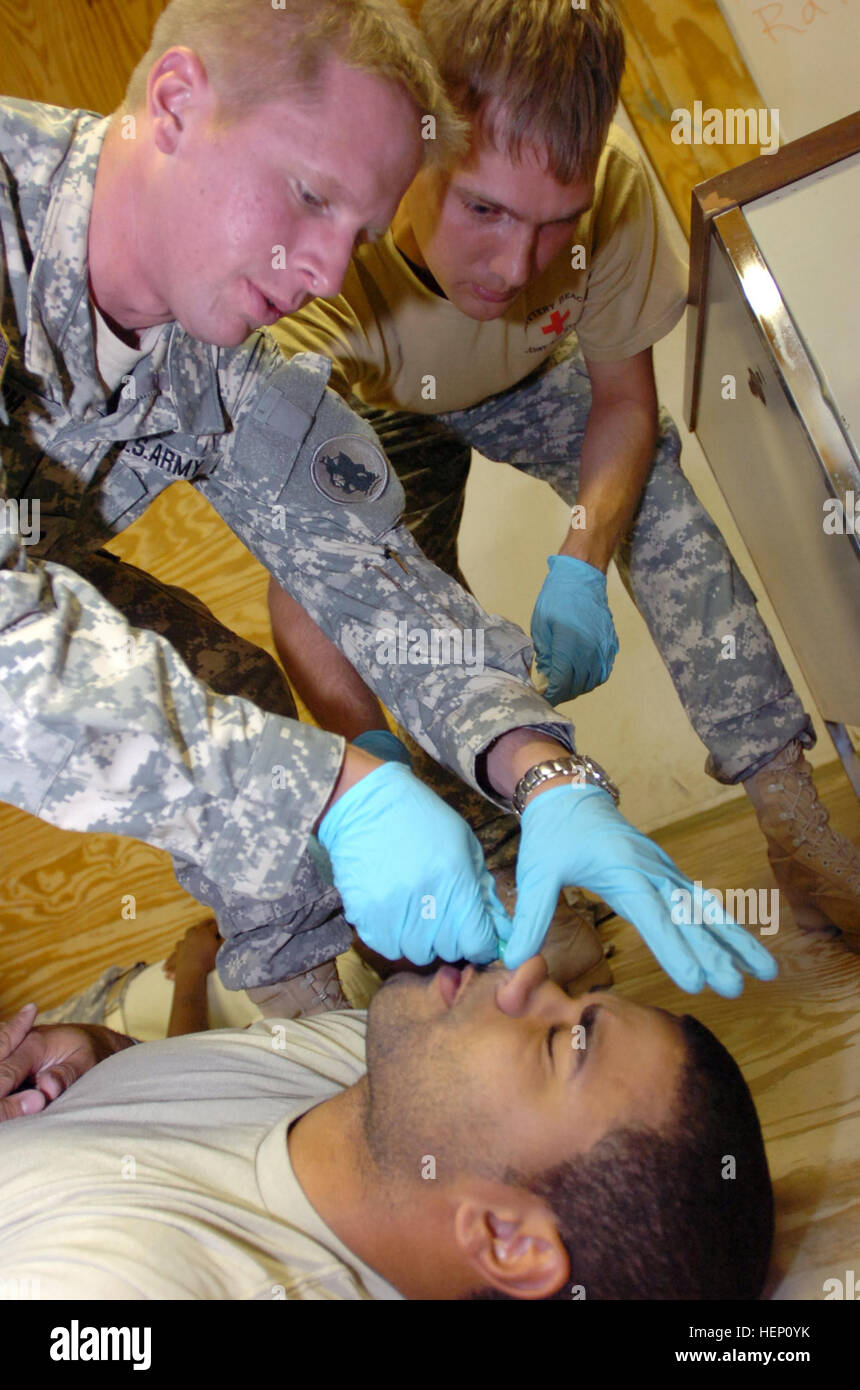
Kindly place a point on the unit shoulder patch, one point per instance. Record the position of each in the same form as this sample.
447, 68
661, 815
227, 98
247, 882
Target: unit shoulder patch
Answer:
349, 468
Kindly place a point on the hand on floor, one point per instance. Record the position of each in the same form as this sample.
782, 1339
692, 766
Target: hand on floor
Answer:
49, 1058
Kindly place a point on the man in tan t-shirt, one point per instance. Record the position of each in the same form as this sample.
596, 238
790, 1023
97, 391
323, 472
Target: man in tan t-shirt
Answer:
493, 1138
512, 308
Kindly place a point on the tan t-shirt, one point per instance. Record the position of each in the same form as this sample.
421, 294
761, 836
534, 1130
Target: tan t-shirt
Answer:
396, 344
165, 1173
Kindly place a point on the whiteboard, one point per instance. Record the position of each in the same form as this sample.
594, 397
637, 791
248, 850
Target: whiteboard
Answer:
803, 55
809, 234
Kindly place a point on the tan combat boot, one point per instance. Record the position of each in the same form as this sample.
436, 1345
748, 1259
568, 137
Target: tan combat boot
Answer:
818, 870
572, 948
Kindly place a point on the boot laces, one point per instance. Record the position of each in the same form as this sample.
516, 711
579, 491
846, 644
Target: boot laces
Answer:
809, 820
811, 825
810, 817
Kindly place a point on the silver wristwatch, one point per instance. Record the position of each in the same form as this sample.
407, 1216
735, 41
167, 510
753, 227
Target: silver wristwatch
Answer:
575, 766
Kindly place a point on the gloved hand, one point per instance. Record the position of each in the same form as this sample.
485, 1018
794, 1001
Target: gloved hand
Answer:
410, 872
574, 834
572, 629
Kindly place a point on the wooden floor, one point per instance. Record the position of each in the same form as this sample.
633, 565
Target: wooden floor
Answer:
62, 899
795, 1038
63, 896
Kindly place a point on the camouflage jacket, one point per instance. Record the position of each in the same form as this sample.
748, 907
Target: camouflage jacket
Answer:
105, 729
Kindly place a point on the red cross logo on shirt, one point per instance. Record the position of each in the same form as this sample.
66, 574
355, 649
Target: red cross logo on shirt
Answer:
557, 322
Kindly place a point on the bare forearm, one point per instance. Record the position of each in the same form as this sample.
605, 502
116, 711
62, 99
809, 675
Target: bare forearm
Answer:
356, 764
617, 451
513, 754
324, 679
105, 1041
189, 1012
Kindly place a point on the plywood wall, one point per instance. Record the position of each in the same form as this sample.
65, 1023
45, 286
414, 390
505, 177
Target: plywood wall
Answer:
680, 52
73, 52
81, 52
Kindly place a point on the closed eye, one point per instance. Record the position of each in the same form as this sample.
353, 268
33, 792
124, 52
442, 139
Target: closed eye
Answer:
586, 1021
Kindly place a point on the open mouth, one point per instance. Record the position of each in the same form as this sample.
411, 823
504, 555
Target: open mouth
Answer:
279, 310
451, 982
268, 310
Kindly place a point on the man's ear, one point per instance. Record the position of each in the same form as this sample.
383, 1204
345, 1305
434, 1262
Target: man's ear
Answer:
512, 1243
176, 82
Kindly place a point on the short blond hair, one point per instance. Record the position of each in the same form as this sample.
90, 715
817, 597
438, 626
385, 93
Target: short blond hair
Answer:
254, 52
531, 72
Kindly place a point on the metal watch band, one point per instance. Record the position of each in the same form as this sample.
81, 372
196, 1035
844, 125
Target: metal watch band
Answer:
575, 766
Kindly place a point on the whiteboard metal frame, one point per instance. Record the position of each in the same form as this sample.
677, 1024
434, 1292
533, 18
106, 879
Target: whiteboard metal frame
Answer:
725, 230
797, 373
733, 189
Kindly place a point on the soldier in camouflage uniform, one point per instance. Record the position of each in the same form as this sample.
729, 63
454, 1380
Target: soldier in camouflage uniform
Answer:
106, 724
489, 319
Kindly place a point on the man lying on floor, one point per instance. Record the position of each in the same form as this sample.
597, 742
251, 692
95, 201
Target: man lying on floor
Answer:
496, 1139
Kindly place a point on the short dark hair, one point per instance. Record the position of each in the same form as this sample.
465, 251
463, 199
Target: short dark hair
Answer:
531, 72
682, 1214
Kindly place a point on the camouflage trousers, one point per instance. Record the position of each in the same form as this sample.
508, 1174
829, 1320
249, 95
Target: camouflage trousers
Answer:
264, 942
673, 562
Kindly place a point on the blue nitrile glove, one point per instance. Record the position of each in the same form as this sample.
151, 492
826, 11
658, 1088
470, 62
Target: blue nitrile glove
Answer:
382, 744
574, 834
410, 872
572, 629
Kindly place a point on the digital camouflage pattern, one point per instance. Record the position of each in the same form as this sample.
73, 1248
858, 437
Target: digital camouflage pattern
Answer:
104, 725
